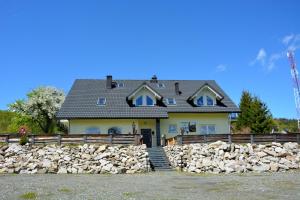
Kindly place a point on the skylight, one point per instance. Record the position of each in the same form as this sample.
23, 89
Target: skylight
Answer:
171, 101
101, 101
120, 85
161, 85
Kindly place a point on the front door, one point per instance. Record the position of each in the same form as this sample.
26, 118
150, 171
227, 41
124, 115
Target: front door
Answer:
147, 138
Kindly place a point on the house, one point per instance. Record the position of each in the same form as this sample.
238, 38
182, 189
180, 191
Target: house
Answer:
154, 108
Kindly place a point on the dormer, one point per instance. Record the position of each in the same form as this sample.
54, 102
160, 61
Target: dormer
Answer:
144, 95
205, 96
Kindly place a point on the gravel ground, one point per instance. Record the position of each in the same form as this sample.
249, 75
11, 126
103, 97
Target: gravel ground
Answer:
154, 186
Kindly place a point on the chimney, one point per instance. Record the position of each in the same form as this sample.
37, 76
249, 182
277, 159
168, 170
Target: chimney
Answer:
153, 79
109, 81
177, 92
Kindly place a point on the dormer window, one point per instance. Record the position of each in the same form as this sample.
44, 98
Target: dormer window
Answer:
101, 101
120, 85
149, 101
200, 101
139, 101
171, 101
209, 101
205, 101
161, 85
144, 100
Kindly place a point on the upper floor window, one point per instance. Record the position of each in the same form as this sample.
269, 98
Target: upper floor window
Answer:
139, 101
161, 85
171, 101
149, 101
120, 85
209, 101
200, 101
205, 101
101, 101
144, 100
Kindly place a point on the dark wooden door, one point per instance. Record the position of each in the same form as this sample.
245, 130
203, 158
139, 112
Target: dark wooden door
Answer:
147, 138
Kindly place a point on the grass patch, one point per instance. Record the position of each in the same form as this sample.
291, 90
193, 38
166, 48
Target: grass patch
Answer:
66, 190
28, 195
129, 194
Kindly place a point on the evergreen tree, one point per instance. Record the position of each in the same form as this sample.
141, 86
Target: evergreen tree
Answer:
254, 115
261, 118
244, 118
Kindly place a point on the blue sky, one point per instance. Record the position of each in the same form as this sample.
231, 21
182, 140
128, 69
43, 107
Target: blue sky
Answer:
240, 44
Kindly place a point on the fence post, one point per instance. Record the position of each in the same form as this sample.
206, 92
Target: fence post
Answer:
85, 139
229, 139
275, 138
59, 139
205, 138
7, 139
298, 138
111, 138
32, 139
252, 139
179, 140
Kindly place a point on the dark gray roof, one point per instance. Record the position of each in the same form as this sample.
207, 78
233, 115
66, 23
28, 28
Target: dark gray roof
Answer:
81, 102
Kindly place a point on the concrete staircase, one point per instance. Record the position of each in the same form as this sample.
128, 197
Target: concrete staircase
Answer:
158, 159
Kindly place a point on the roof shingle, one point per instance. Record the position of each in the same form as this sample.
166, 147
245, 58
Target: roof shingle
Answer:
81, 102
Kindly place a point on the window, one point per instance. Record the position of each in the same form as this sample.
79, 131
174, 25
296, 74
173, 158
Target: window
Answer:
200, 101
192, 126
149, 101
120, 85
209, 101
207, 129
114, 130
101, 101
184, 126
172, 128
171, 101
205, 101
161, 85
92, 130
139, 101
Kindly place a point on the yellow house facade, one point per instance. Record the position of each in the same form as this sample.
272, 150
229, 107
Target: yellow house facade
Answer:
156, 109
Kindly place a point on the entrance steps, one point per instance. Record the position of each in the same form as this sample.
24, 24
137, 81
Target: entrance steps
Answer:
158, 159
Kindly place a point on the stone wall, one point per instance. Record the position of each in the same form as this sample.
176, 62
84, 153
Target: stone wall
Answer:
220, 157
73, 159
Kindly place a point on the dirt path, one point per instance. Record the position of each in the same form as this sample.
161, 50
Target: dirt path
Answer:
154, 186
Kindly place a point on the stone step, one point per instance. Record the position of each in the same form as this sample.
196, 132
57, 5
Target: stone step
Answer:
159, 159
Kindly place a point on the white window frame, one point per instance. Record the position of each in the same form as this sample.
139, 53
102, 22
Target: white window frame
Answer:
205, 100
206, 127
104, 103
161, 85
144, 100
168, 102
172, 132
120, 84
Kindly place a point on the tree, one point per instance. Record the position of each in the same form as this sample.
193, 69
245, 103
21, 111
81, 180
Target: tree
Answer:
255, 115
244, 118
41, 106
261, 118
6, 119
23, 120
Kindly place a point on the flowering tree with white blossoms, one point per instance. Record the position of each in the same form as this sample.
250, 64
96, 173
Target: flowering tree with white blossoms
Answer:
41, 106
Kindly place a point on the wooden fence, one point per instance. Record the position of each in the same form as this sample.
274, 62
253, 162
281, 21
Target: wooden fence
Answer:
75, 139
235, 138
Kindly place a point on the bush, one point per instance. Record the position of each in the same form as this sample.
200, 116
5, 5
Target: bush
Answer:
23, 140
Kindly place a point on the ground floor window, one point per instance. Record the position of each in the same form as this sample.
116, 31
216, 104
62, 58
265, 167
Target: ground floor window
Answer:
92, 130
114, 130
172, 128
208, 129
